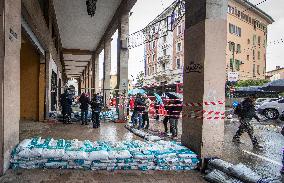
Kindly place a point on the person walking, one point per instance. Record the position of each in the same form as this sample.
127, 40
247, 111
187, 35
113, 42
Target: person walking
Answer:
282, 170
66, 103
84, 101
145, 117
138, 110
96, 105
174, 109
246, 112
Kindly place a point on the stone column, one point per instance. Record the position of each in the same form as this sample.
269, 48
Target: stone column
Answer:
95, 75
47, 84
122, 63
107, 69
10, 44
204, 75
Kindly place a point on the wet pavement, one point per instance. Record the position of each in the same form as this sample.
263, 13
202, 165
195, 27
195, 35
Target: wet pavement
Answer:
266, 162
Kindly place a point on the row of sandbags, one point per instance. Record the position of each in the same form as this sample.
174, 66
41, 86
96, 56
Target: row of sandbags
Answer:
102, 155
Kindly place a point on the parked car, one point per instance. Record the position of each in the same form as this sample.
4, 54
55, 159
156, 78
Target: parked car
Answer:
272, 110
260, 101
281, 117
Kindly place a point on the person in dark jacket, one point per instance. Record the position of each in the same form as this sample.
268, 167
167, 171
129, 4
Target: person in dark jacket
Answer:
139, 108
246, 114
282, 170
66, 103
96, 105
84, 101
174, 108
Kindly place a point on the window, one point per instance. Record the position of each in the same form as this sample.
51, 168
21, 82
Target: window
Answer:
235, 30
253, 70
155, 68
237, 63
248, 57
264, 70
153, 46
257, 70
165, 39
238, 48
179, 30
149, 71
165, 52
258, 55
254, 40
248, 41
153, 57
178, 63
231, 63
149, 60
231, 46
164, 66
178, 47
259, 40
253, 54
264, 43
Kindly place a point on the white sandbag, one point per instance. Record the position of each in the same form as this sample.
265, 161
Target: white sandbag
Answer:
73, 155
56, 165
52, 143
166, 155
30, 153
244, 173
152, 138
52, 153
26, 166
143, 156
97, 155
220, 165
24, 144
124, 154
187, 155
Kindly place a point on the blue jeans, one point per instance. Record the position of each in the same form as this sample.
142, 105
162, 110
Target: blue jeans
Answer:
84, 116
137, 116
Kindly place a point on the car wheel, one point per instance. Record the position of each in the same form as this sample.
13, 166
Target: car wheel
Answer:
271, 113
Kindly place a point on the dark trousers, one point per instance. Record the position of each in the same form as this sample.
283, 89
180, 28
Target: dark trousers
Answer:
165, 122
96, 119
66, 117
84, 116
145, 118
246, 127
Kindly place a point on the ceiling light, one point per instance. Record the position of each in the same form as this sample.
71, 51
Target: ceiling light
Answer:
91, 7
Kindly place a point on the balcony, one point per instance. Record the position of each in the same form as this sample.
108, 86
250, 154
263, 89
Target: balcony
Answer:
164, 59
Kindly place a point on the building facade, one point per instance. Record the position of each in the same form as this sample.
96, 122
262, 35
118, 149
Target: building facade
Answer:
275, 74
245, 53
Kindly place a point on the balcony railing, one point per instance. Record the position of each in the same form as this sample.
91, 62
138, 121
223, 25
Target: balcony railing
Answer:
164, 59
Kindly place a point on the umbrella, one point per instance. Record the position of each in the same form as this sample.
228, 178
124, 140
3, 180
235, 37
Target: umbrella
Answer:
276, 86
158, 98
136, 91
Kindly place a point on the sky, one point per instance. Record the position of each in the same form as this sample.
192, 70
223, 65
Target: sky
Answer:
145, 11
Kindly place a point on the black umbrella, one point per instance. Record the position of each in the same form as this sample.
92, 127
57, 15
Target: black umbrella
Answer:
276, 86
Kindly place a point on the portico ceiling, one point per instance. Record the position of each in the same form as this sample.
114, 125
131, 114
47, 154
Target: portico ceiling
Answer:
77, 29
80, 33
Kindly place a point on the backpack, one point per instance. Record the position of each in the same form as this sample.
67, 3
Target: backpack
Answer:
239, 109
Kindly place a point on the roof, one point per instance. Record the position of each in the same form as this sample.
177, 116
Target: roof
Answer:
257, 10
275, 70
245, 3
